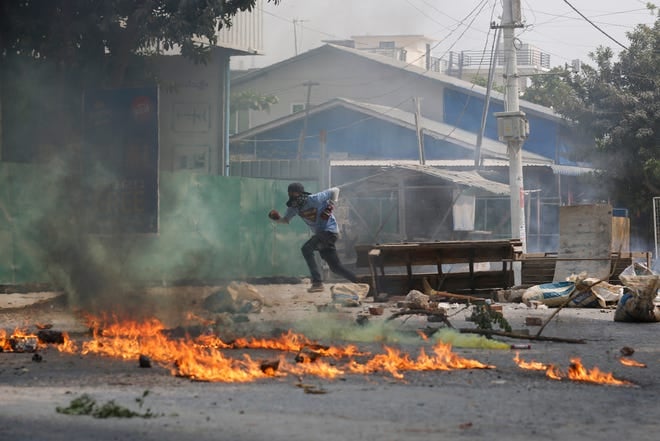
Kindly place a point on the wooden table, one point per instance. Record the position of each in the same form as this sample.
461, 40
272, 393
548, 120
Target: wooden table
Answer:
378, 257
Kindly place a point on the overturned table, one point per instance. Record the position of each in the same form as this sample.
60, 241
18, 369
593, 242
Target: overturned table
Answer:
414, 256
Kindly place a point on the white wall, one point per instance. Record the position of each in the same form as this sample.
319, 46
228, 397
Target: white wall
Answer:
191, 115
346, 76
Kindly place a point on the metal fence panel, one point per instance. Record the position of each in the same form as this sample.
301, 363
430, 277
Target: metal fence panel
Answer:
212, 228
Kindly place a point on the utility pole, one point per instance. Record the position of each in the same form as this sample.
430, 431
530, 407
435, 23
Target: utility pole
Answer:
419, 130
512, 125
301, 140
489, 89
295, 33
295, 36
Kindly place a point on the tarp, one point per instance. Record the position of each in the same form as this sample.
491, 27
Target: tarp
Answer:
469, 178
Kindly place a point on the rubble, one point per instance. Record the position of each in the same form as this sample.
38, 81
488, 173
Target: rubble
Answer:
638, 301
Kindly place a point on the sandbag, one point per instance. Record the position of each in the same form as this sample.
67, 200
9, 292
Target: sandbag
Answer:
638, 301
550, 294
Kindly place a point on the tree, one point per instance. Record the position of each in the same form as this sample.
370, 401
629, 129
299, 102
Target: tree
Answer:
85, 33
51, 50
552, 89
251, 100
615, 109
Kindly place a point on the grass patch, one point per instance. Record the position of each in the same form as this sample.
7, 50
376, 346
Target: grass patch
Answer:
86, 405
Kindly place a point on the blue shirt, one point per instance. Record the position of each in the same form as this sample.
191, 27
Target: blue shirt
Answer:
310, 213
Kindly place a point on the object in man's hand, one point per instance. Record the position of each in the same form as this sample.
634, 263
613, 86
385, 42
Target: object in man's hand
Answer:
327, 211
274, 214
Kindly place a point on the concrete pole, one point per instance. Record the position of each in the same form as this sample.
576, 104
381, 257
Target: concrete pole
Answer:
418, 129
303, 132
489, 89
511, 20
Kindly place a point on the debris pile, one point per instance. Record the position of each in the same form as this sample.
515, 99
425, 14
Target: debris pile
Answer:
579, 291
640, 291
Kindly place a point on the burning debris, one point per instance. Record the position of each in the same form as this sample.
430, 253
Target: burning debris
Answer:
632, 363
199, 353
19, 342
209, 358
576, 372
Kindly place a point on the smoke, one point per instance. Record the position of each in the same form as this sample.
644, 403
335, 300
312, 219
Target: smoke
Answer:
89, 268
342, 326
108, 274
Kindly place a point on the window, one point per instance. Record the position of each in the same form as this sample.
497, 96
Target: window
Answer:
297, 107
386, 45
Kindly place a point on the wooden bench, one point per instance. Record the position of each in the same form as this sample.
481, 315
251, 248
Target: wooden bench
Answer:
410, 255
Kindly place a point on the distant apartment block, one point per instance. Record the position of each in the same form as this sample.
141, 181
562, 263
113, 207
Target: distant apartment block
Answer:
467, 65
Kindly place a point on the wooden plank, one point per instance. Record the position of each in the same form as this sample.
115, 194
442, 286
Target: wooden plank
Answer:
486, 281
620, 234
537, 268
585, 232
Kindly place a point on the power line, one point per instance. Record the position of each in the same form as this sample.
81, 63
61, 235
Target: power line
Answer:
594, 25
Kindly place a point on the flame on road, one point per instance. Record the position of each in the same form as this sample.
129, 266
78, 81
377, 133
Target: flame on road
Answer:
576, 372
531, 365
19, 341
632, 363
393, 362
205, 358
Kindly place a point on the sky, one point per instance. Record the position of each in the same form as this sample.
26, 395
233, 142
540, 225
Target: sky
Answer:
296, 26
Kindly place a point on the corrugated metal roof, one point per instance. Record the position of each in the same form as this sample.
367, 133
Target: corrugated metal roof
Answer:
564, 170
470, 179
571, 170
435, 129
453, 82
465, 178
442, 131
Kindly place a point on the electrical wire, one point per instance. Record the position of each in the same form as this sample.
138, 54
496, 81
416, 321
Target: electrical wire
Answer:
595, 25
481, 5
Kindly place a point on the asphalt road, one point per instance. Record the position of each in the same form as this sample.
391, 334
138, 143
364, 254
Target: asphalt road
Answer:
503, 402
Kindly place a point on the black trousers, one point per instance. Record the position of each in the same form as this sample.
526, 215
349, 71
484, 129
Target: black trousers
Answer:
324, 243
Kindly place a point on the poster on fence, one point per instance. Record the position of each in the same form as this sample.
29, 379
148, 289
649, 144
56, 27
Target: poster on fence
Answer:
119, 161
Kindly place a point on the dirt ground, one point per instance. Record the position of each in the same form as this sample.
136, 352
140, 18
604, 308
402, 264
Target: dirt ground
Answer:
501, 402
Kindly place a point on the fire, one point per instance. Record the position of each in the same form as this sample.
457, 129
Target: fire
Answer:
630, 362
531, 365
393, 361
293, 342
554, 373
205, 357
576, 371
69, 346
19, 341
318, 368
213, 366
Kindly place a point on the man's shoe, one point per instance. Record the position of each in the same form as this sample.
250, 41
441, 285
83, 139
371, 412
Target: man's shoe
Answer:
316, 287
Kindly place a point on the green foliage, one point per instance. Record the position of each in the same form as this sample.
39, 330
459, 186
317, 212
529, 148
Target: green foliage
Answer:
86, 405
552, 89
482, 81
614, 109
485, 317
251, 100
89, 33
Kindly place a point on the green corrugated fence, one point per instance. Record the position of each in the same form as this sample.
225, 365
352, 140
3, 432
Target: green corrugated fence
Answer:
211, 228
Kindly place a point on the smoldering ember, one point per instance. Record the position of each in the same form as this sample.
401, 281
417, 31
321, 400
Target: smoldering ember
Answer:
386, 234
